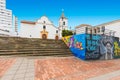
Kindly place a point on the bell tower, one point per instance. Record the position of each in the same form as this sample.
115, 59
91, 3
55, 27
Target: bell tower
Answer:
63, 23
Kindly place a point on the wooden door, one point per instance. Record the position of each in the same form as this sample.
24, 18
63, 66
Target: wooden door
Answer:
44, 36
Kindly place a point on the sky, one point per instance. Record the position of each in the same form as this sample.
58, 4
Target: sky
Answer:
78, 12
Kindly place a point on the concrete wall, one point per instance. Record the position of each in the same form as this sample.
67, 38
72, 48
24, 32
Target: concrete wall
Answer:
77, 45
114, 27
116, 48
91, 47
80, 30
99, 47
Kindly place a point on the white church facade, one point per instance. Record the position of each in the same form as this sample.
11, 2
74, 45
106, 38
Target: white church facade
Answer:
43, 28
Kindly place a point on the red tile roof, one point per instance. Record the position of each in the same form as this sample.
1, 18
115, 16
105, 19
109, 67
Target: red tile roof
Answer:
28, 22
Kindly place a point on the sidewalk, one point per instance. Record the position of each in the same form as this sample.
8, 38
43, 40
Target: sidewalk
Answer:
23, 69
58, 68
5, 64
109, 76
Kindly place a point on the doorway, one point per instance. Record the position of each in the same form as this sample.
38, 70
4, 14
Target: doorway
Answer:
44, 36
56, 37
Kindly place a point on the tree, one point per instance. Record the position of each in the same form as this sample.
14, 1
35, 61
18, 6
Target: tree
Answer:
66, 33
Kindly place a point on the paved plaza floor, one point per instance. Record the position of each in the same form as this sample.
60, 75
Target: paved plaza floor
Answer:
58, 68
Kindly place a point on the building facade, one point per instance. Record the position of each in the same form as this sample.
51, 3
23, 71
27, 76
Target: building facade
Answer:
43, 28
5, 19
81, 29
111, 28
15, 26
63, 24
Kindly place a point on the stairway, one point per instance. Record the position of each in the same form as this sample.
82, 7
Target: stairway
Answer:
32, 47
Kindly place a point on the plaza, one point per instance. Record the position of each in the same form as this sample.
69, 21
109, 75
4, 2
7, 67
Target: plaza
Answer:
54, 68
44, 43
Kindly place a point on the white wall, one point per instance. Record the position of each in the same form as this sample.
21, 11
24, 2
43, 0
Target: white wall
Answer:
80, 30
61, 23
26, 30
35, 29
115, 27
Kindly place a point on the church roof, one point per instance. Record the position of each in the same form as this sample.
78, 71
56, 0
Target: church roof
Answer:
28, 22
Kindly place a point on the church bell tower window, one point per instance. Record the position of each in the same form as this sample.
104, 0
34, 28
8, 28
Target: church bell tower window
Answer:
44, 22
56, 31
63, 23
44, 27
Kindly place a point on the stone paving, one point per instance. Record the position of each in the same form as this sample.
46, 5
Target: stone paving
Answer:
23, 69
109, 76
73, 68
116, 78
5, 64
58, 68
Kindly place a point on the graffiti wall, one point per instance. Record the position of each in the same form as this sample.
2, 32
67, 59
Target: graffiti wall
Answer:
76, 43
93, 46
116, 48
92, 51
99, 46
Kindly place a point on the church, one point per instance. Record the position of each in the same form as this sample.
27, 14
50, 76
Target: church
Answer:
43, 28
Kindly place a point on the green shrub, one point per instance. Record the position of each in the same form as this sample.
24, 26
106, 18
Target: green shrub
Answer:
66, 33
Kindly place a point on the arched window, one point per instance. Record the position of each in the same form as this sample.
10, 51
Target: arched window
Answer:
56, 31
44, 27
44, 22
63, 23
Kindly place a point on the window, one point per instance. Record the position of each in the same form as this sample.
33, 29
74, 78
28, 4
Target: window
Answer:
103, 28
91, 31
44, 27
95, 30
44, 22
86, 29
56, 31
98, 30
63, 23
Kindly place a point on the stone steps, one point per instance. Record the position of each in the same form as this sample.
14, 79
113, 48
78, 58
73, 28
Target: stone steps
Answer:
32, 47
35, 53
11, 48
14, 50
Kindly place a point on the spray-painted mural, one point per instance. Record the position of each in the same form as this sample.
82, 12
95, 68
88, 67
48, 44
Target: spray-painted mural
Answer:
72, 42
99, 46
92, 42
76, 43
116, 48
93, 46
